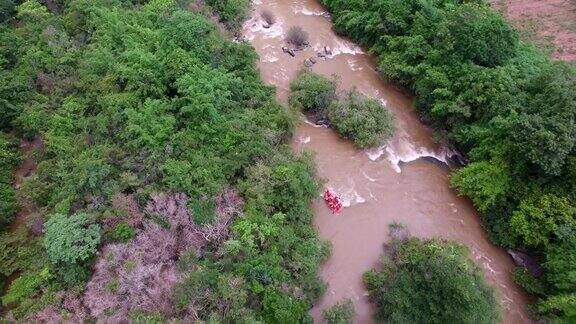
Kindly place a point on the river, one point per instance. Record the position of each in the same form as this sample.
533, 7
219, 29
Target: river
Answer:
394, 183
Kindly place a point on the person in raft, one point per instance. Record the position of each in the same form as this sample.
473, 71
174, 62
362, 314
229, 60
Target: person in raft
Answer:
333, 202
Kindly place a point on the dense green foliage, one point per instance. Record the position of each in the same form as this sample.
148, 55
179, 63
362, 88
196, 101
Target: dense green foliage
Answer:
340, 313
354, 116
137, 98
312, 93
365, 121
121, 233
70, 239
231, 12
26, 286
272, 254
429, 281
8, 161
501, 102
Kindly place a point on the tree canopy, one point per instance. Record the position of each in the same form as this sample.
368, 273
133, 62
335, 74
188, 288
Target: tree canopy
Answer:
429, 281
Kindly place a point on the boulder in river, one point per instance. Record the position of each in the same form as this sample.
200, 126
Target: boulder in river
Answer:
528, 261
327, 50
321, 54
457, 160
288, 51
312, 60
266, 25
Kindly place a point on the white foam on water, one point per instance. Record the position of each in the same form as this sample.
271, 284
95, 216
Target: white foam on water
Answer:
348, 195
304, 140
376, 153
372, 195
270, 58
359, 199
353, 66
314, 125
411, 155
351, 197
255, 26
342, 47
346, 47
368, 177
307, 12
489, 268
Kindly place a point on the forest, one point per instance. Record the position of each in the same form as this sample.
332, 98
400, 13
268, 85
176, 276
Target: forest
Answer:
504, 105
164, 188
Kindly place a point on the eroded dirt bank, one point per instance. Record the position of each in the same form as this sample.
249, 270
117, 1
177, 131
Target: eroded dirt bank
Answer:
380, 186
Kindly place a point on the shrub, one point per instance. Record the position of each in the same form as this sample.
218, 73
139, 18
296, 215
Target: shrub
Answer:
9, 158
340, 313
365, 121
18, 253
121, 233
297, 36
528, 282
7, 10
538, 222
268, 16
232, 12
73, 275
26, 286
484, 182
560, 265
286, 185
312, 93
282, 308
430, 281
563, 308
204, 211
8, 204
482, 35
71, 239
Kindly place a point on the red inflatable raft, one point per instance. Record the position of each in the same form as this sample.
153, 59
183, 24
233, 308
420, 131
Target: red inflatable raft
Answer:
333, 202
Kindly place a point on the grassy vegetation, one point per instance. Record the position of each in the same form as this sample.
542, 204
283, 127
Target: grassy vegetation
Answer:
340, 313
501, 102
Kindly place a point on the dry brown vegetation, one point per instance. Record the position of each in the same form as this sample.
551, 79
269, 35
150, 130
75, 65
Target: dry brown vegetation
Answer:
297, 36
549, 23
141, 274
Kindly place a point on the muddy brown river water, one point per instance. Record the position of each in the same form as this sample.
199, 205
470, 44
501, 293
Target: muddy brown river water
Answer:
392, 183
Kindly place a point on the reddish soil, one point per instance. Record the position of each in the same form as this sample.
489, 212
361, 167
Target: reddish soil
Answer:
549, 23
26, 169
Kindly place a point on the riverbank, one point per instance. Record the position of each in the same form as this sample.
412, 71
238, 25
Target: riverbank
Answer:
379, 186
